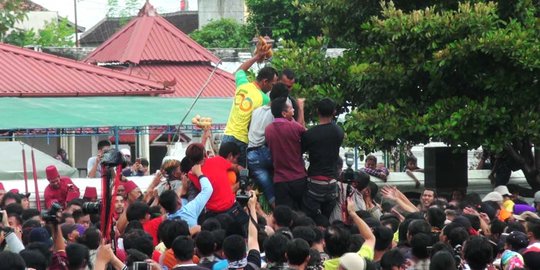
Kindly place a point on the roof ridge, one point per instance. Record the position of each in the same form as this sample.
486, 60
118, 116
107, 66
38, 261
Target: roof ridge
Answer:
69, 63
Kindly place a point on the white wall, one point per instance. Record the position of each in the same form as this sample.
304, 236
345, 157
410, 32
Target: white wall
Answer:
218, 9
37, 19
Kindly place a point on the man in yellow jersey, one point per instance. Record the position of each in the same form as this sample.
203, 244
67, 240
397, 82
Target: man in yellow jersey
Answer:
248, 97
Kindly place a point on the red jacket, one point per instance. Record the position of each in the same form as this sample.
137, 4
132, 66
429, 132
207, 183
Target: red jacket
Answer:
60, 195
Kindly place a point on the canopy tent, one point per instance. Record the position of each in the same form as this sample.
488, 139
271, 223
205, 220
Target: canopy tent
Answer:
11, 162
83, 112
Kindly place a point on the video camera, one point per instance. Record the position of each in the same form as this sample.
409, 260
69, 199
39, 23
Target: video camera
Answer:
50, 216
242, 196
91, 208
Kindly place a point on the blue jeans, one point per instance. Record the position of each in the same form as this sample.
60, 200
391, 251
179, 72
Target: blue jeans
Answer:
242, 145
260, 170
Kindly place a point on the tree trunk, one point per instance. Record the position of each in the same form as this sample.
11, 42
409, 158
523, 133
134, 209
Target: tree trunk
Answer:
521, 152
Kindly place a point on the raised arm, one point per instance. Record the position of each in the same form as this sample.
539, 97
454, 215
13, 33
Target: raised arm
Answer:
394, 194
363, 228
248, 63
253, 242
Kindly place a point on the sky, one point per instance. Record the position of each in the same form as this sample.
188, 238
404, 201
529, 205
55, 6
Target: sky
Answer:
90, 12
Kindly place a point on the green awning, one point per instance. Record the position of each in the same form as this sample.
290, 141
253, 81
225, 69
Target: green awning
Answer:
66, 112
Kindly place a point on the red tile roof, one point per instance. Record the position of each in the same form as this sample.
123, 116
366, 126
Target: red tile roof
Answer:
189, 79
149, 37
28, 73
155, 49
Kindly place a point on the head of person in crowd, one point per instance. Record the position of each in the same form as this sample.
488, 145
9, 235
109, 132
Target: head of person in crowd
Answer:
337, 240
205, 245
297, 253
371, 162
384, 237
428, 197
288, 78
282, 216
82, 218
53, 176
10, 198
419, 246
266, 78
139, 240
138, 211
234, 249
326, 108
126, 153
282, 108
121, 190
279, 90
78, 256
169, 229
34, 259
352, 261
418, 226
171, 169
103, 146
119, 204
133, 192
412, 163
196, 153
90, 194
91, 238
170, 201
11, 261
183, 247
74, 205
478, 252
393, 260
442, 260
71, 232
229, 151
435, 217
360, 181
276, 248
2, 191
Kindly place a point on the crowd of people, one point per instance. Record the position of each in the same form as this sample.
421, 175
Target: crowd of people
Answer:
313, 217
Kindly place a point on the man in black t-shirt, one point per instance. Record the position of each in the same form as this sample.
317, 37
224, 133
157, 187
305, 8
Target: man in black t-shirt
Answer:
322, 143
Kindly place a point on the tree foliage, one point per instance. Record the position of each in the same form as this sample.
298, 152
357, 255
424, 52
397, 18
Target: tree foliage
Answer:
223, 33
54, 34
10, 13
467, 76
281, 19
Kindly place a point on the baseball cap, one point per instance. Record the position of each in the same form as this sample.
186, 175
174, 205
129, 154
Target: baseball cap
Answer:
41, 234
503, 190
493, 197
352, 261
517, 240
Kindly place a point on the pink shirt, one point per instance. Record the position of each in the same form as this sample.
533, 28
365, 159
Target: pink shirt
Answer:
283, 139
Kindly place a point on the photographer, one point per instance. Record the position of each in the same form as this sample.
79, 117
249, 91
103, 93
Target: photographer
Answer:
349, 188
8, 237
190, 212
139, 168
74, 256
60, 189
93, 166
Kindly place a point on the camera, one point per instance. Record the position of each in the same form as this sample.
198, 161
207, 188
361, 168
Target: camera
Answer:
50, 216
141, 266
242, 196
91, 208
348, 174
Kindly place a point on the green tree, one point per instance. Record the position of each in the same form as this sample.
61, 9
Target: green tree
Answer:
468, 77
281, 19
54, 34
224, 33
125, 10
10, 13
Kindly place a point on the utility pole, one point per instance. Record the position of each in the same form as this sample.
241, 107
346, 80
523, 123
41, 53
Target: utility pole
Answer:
76, 28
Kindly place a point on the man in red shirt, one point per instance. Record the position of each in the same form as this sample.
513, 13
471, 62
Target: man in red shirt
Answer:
283, 139
60, 189
216, 169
